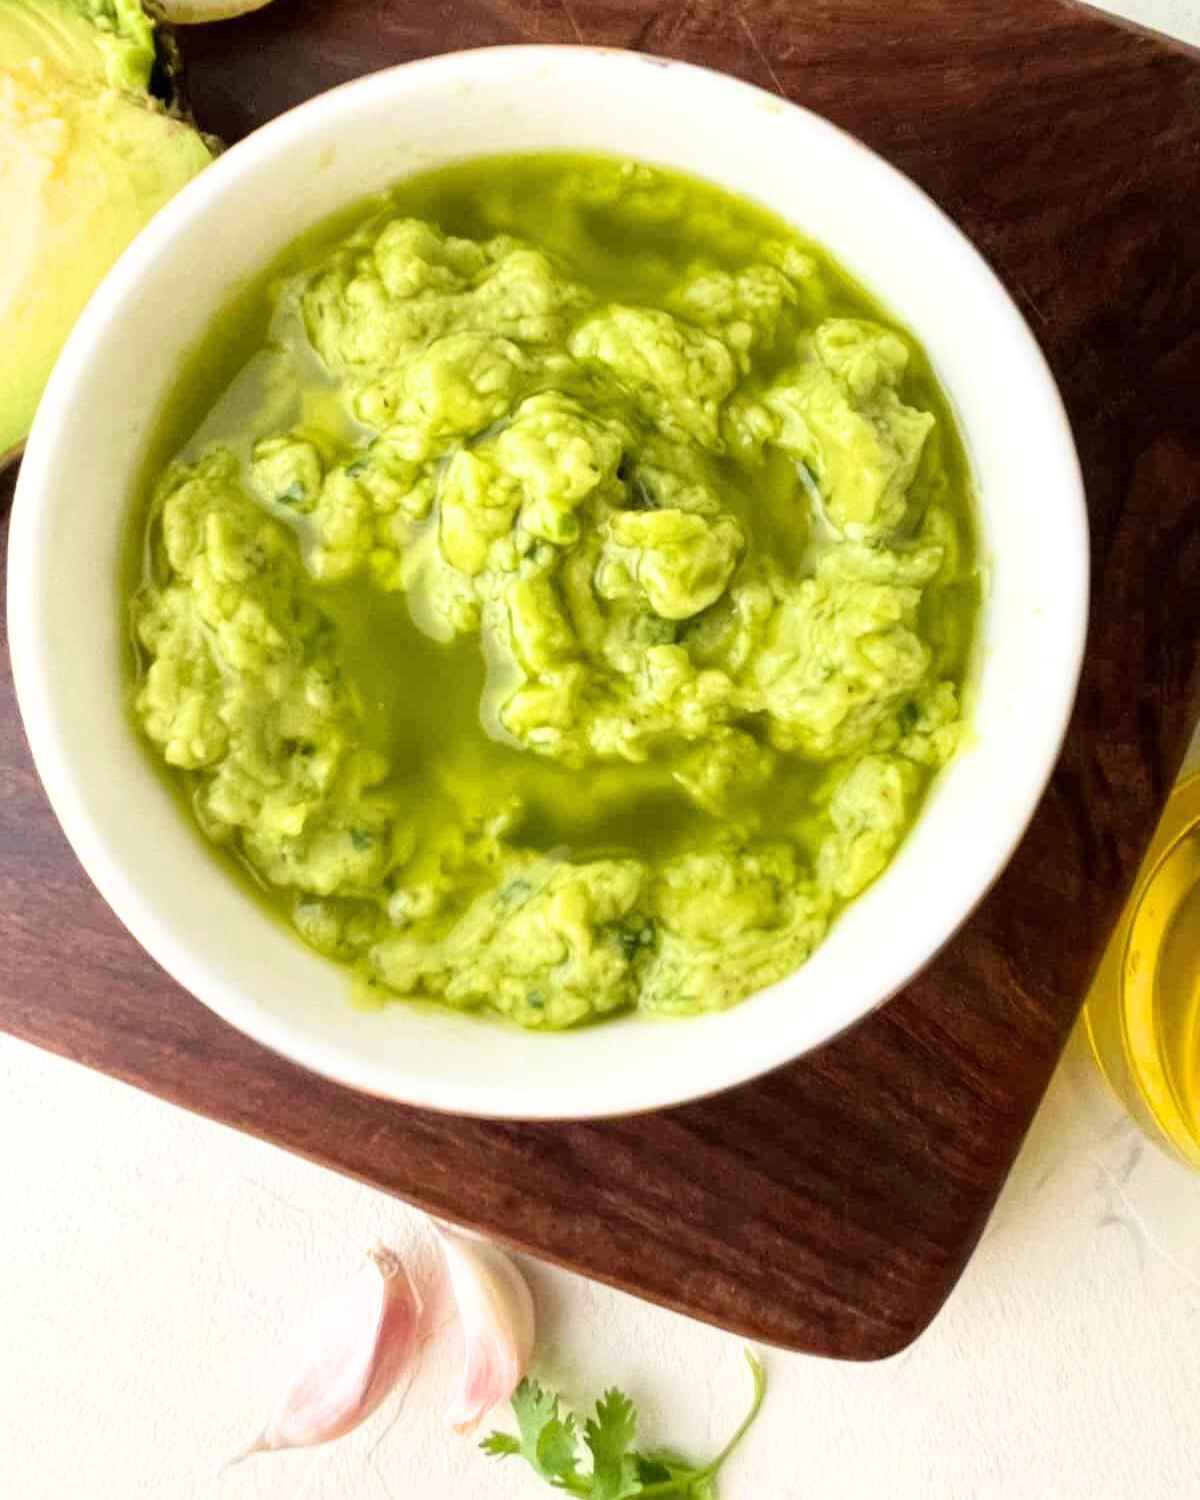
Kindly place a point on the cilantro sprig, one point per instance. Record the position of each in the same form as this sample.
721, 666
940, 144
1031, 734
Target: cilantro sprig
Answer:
549, 1436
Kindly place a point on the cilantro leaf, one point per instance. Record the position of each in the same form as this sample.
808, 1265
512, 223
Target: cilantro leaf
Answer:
533, 1407
609, 1436
556, 1448
548, 1437
666, 1476
500, 1445
549, 1441
651, 1470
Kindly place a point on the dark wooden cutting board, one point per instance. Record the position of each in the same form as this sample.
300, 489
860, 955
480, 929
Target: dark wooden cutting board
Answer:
831, 1206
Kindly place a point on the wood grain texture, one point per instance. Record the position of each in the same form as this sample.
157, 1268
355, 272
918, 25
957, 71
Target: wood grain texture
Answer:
831, 1206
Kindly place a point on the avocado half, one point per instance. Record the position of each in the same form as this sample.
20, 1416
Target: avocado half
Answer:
94, 138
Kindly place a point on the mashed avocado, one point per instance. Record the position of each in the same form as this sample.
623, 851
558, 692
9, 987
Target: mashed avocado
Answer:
87, 156
560, 594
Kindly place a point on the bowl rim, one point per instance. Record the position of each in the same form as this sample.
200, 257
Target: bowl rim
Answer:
60, 779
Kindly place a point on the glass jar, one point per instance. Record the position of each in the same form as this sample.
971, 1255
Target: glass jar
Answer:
1142, 1015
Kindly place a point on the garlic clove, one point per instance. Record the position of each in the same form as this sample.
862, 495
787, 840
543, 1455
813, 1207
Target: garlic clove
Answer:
359, 1350
495, 1311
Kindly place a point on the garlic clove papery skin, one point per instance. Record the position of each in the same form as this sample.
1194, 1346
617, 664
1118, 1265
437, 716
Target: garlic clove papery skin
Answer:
359, 1349
495, 1312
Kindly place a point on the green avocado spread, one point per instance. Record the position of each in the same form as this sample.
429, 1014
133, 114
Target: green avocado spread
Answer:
559, 593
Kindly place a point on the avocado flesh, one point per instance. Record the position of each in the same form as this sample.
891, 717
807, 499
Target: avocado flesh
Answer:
87, 156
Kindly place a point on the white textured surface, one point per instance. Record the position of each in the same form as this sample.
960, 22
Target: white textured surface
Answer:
151, 1263
1177, 18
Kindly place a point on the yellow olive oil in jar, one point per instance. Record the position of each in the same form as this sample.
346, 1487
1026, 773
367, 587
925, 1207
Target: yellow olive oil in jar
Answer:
1143, 1013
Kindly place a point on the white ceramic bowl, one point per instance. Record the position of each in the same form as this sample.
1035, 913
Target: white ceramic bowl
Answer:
101, 404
